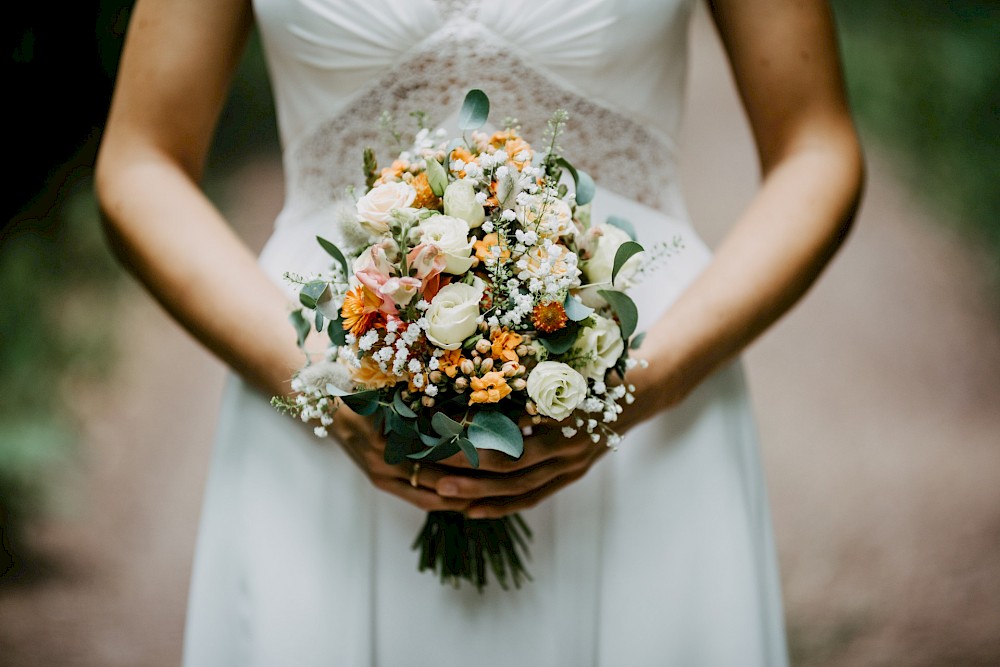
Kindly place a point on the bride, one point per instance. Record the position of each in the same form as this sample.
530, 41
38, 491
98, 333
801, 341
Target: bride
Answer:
658, 553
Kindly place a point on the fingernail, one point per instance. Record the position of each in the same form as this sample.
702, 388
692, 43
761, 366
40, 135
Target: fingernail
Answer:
447, 489
476, 514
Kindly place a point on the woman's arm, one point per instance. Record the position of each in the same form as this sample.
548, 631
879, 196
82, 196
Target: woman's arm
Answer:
175, 70
178, 59
784, 58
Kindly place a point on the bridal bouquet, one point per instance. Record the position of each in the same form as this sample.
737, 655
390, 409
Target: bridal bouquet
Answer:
468, 292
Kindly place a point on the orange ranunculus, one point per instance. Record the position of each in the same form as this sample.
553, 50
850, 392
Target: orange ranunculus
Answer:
360, 311
484, 248
425, 196
370, 376
504, 344
490, 388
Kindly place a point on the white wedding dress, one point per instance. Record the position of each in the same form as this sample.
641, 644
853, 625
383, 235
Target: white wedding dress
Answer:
663, 553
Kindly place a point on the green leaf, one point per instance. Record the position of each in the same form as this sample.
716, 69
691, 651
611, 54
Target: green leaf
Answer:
562, 340
637, 341
493, 430
319, 321
400, 406
470, 451
585, 188
575, 310
397, 447
334, 251
624, 307
364, 402
431, 440
336, 332
584, 184
445, 425
436, 177
438, 452
311, 293
301, 325
624, 225
475, 110
626, 251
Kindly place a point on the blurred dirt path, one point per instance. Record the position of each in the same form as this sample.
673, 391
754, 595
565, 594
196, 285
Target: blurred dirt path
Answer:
877, 400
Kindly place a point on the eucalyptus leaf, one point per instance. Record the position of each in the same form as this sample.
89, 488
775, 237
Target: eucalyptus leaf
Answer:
445, 425
585, 188
397, 447
336, 332
431, 440
301, 325
624, 225
494, 430
575, 310
562, 340
584, 184
400, 406
436, 453
334, 251
637, 341
624, 307
319, 321
436, 177
469, 450
626, 251
364, 402
475, 110
311, 293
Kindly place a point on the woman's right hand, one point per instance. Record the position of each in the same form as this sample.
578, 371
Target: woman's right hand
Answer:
366, 447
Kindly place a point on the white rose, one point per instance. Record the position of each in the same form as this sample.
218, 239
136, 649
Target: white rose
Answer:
556, 215
376, 207
460, 202
453, 315
451, 235
602, 345
556, 389
603, 242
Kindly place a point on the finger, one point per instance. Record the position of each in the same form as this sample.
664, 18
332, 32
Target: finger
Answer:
478, 488
425, 499
496, 508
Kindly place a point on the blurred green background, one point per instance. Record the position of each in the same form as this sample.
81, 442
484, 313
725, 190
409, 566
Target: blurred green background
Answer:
924, 80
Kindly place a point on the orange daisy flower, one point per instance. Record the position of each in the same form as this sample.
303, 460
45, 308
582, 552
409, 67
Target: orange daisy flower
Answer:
360, 311
549, 317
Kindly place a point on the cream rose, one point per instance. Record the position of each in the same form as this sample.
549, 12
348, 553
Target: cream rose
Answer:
603, 241
376, 207
602, 346
556, 216
460, 202
453, 315
451, 235
556, 389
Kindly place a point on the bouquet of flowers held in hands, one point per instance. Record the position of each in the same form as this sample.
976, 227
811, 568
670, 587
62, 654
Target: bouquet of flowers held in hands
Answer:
469, 292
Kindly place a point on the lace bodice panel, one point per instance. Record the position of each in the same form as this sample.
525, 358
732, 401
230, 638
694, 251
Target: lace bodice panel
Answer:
617, 66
